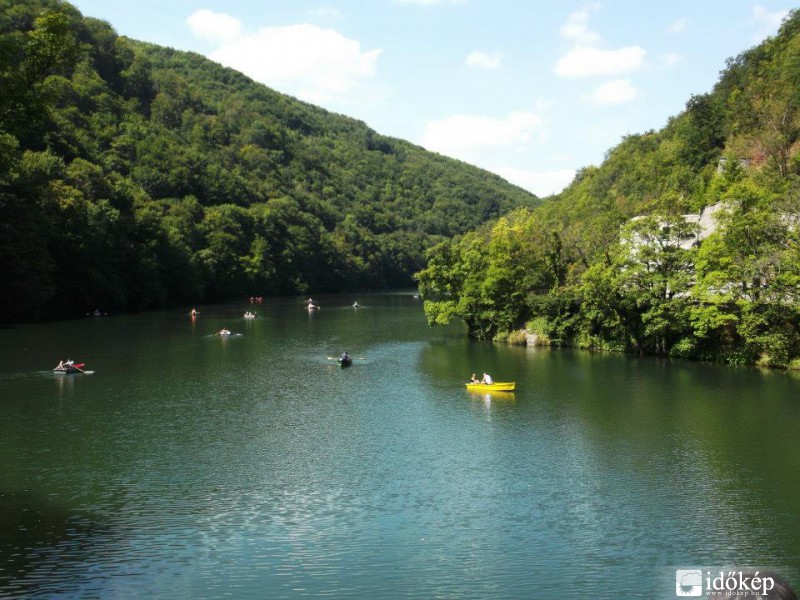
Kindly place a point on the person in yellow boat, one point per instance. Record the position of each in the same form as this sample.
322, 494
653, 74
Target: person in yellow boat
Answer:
487, 379
473, 379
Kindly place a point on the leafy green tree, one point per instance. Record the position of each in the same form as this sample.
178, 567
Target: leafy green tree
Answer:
25, 62
745, 258
226, 230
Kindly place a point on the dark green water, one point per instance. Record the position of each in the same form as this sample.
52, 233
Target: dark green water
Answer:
189, 466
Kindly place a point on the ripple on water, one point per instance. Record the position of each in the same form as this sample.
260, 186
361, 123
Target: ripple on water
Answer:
191, 469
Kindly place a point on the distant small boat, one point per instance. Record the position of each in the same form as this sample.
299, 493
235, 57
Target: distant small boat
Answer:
499, 386
68, 367
249, 315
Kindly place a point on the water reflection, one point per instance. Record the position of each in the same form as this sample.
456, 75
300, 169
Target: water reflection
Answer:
488, 396
65, 384
490, 400
191, 468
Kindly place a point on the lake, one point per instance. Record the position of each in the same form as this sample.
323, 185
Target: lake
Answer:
185, 465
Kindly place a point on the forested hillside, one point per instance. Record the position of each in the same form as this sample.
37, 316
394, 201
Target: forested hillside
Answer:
133, 175
581, 270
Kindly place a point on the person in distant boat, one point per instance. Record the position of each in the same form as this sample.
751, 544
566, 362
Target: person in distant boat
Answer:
356, 304
194, 312
60, 364
487, 379
344, 357
473, 379
224, 331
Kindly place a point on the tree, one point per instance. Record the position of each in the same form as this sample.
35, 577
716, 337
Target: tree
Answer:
25, 62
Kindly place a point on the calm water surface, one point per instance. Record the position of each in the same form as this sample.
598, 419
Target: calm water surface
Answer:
189, 466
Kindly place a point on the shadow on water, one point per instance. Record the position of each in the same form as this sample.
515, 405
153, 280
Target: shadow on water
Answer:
38, 537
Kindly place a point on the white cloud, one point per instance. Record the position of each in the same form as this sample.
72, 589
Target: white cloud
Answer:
768, 22
468, 136
576, 27
214, 27
464, 134
485, 60
583, 61
541, 183
315, 64
671, 59
678, 25
616, 91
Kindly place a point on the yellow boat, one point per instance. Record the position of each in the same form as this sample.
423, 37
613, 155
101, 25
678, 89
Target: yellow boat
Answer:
498, 386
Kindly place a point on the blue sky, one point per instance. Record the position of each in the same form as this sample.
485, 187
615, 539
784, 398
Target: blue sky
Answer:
531, 90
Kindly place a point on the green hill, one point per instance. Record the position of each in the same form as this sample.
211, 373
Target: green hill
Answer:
580, 270
133, 175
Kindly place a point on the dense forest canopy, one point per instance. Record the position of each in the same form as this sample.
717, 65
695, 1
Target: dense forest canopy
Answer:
608, 263
133, 175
